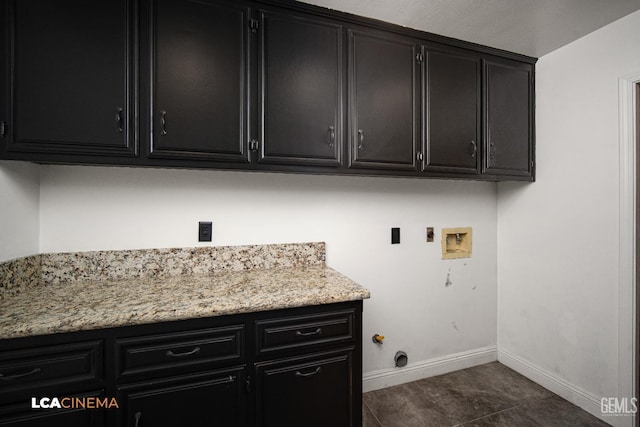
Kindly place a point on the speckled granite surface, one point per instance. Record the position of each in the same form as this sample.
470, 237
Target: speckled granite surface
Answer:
160, 263
66, 307
71, 267
19, 275
66, 292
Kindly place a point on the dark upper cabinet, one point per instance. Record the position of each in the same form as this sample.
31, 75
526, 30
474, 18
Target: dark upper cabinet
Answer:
383, 100
509, 118
268, 85
452, 107
198, 83
301, 98
72, 77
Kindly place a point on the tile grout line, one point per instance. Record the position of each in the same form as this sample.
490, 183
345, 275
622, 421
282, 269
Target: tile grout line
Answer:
519, 405
372, 413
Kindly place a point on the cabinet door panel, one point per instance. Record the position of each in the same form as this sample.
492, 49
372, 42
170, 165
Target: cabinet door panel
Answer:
452, 113
301, 89
311, 392
199, 80
25, 416
70, 77
383, 101
206, 400
509, 119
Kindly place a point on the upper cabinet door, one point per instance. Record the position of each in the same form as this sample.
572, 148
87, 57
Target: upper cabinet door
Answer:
300, 81
198, 80
383, 100
452, 112
509, 110
72, 77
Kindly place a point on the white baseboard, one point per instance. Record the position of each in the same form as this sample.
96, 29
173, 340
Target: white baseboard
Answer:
376, 380
561, 387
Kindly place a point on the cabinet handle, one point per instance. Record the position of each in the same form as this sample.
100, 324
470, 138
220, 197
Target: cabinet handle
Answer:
3, 129
318, 331
492, 151
196, 350
163, 123
16, 376
332, 136
360, 139
473, 148
308, 374
229, 379
137, 416
119, 120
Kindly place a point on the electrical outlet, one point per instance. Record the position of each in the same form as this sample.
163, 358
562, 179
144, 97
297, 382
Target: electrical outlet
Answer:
429, 234
205, 231
395, 235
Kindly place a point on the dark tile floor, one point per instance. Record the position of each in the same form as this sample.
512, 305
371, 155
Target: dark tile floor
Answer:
485, 395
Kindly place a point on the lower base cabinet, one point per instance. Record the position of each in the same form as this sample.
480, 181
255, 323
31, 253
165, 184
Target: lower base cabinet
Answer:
281, 368
211, 399
312, 391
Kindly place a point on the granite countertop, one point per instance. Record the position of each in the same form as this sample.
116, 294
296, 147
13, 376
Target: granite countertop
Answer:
95, 304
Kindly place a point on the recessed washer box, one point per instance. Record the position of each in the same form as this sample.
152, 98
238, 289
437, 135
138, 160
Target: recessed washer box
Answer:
456, 243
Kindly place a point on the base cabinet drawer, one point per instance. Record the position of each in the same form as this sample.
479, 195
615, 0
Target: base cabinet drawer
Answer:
313, 391
50, 369
304, 332
202, 400
167, 354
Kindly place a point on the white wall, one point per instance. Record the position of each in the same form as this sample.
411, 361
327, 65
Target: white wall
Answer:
90, 208
19, 209
558, 238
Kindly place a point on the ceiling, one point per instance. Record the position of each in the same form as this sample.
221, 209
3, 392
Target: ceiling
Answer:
529, 27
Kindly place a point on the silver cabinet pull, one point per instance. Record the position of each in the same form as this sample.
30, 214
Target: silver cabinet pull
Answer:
163, 123
473, 148
119, 120
137, 416
492, 151
16, 376
318, 331
308, 374
332, 136
360, 139
170, 353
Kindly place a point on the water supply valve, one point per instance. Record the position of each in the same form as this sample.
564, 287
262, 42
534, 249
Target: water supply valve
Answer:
377, 339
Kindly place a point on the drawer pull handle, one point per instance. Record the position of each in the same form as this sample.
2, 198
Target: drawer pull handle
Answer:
163, 123
332, 136
229, 379
360, 139
308, 374
137, 416
196, 350
318, 331
119, 120
16, 376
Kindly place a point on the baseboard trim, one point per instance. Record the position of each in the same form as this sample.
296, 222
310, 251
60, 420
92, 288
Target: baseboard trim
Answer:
561, 387
376, 380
